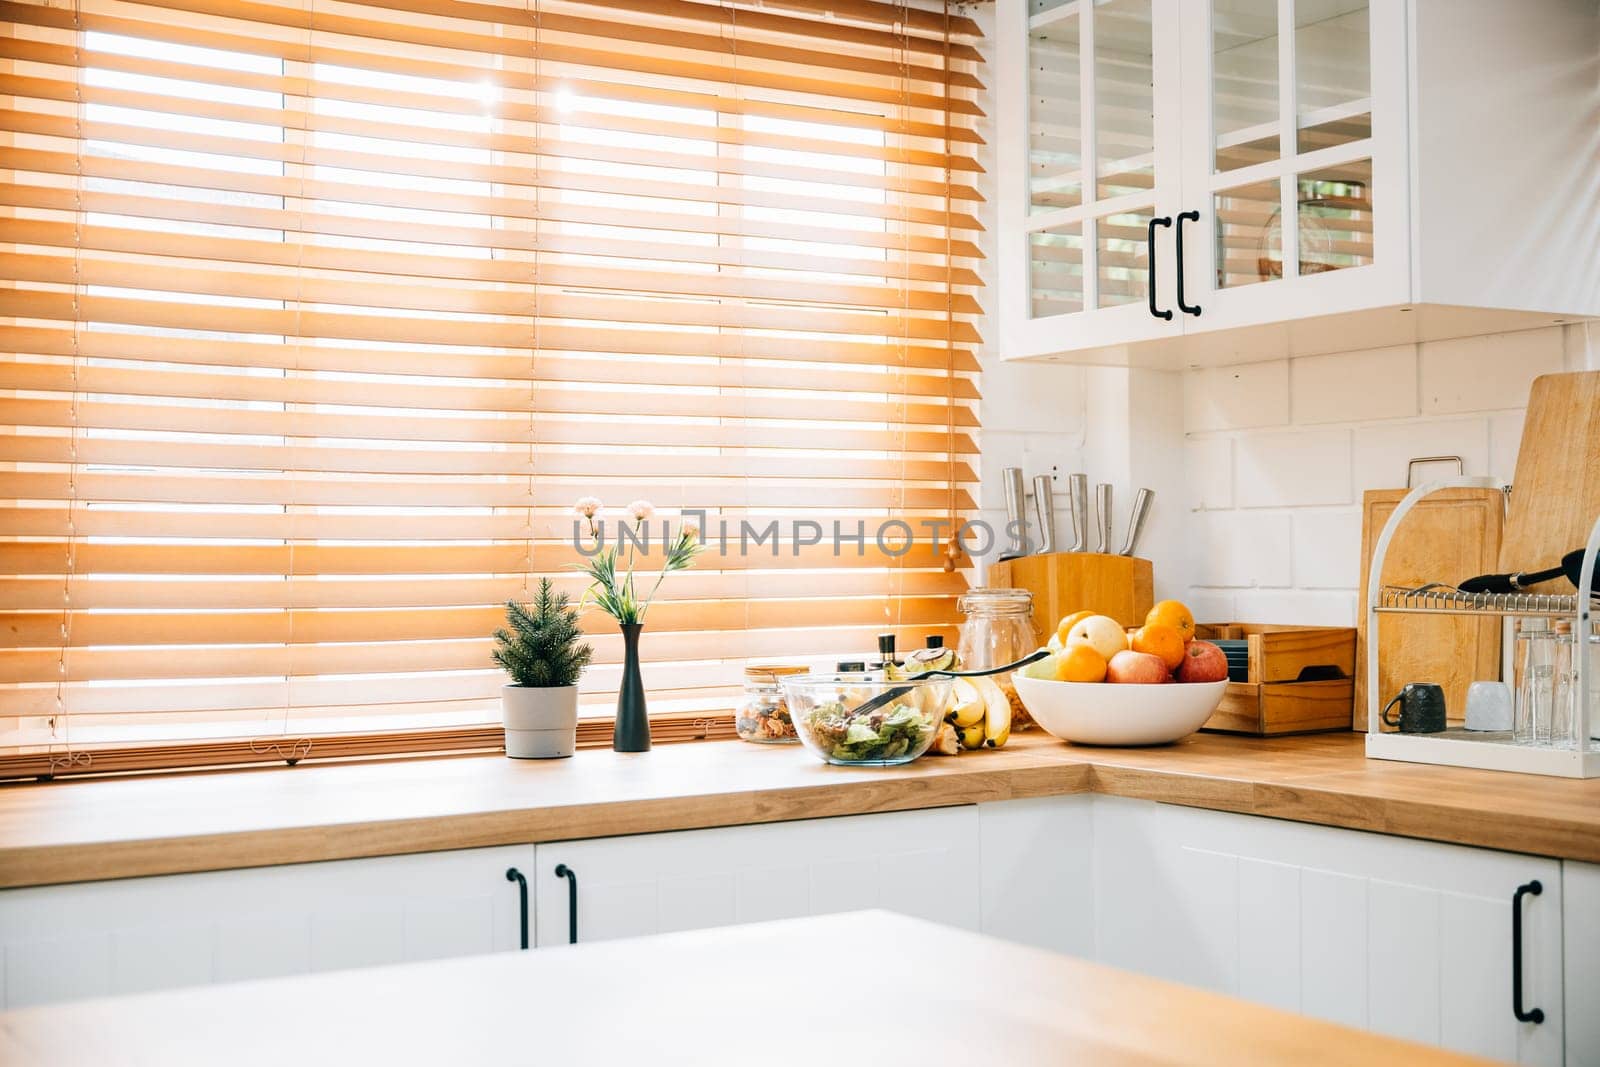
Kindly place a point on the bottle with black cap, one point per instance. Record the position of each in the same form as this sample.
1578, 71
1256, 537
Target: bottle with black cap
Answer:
880, 666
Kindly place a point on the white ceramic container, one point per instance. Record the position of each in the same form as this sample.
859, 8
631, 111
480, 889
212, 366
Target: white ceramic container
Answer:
540, 723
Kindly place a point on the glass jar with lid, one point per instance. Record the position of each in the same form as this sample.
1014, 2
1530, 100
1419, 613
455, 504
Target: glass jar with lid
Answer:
998, 628
763, 713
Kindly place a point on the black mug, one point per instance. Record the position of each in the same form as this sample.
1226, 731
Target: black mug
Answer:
1421, 709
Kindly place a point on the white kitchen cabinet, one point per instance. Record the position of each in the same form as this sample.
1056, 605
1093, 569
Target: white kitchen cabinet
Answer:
64, 942
1035, 866
1580, 931
1338, 174
1404, 937
920, 863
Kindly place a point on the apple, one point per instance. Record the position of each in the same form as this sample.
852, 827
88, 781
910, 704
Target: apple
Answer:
1101, 633
1136, 668
1202, 662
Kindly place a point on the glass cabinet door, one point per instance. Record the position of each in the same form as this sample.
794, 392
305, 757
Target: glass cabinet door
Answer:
1097, 171
1281, 167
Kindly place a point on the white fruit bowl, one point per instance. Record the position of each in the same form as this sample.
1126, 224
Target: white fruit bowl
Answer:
1100, 713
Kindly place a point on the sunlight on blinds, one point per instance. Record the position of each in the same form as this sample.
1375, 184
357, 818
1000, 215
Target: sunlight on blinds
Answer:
318, 316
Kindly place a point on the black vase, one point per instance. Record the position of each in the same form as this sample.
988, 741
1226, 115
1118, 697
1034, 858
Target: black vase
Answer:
632, 731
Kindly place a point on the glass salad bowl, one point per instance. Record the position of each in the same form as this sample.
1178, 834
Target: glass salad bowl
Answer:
825, 709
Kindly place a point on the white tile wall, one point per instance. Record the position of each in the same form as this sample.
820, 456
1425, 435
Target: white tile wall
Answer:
1278, 454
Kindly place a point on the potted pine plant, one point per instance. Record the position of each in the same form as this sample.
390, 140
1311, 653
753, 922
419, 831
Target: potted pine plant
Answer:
541, 651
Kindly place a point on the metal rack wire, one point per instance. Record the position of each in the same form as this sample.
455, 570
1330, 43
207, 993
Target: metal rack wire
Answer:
1437, 598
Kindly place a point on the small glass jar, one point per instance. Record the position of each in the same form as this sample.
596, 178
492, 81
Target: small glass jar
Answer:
998, 629
763, 714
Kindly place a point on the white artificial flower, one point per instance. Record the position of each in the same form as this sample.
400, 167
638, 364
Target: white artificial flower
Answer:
587, 506
641, 510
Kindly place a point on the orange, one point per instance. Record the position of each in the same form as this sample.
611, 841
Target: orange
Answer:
1079, 662
1175, 614
1067, 622
1159, 639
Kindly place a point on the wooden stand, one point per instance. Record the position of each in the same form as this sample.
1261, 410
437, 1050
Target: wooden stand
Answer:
1300, 679
1064, 582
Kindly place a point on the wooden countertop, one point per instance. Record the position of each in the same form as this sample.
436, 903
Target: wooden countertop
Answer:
803, 991
86, 830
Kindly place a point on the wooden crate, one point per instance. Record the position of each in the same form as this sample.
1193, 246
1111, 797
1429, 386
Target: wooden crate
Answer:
1301, 679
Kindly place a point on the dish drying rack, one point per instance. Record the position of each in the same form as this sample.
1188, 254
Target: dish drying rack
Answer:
1458, 747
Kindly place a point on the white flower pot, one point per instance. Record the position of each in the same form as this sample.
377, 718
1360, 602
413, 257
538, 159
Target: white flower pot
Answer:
540, 723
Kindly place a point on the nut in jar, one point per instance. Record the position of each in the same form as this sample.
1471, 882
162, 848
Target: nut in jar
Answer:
763, 713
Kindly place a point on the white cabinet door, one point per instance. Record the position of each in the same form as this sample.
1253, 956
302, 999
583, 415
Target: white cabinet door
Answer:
1037, 883
1404, 937
98, 938
922, 863
1580, 931
1088, 145
1294, 159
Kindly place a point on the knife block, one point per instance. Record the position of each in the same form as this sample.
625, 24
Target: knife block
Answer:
1064, 582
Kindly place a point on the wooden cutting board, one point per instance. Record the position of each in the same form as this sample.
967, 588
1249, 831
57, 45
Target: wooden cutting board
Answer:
1556, 497
1449, 536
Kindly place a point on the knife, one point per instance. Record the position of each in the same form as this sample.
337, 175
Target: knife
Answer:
1103, 492
1078, 503
1141, 508
1044, 502
1016, 512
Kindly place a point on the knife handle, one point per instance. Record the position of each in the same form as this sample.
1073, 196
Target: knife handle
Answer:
1141, 508
1078, 502
1044, 502
1103, 498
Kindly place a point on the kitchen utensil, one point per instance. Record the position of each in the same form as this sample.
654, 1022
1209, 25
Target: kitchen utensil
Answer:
998, 627
1557, 494
1016, 512
1296, 680
899, 690
1141, 507
1044, 505
1097, 713
1421, 709
858, 720
1078, 501
1570, 566
1062, 582
1488, 706
1102, 494
1448, 534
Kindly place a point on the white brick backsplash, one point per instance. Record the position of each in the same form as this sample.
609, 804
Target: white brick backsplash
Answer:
1488, 373
1505, 440
1327, 549
1210, 605
1241, 548
1230, 398
1355, 386
1382, 451
1044, 397
1208, 469
1296, 606
1292, 467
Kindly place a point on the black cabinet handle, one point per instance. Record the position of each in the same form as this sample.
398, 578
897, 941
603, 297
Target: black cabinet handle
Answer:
1533, 1015
1191, 216
1150, 264
514, 875
563, 871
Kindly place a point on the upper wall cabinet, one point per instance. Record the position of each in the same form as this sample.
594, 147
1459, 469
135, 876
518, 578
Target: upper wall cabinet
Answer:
1210, 181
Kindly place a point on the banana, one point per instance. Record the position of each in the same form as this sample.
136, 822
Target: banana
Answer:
997, 712
972, 736
969, 704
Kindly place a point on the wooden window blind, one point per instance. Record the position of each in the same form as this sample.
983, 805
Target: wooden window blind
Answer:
318, 316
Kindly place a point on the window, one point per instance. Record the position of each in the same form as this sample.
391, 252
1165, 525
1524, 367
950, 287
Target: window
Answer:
318, 317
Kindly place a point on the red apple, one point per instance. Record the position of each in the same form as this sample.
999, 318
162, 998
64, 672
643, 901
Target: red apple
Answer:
1136, 668
1202, 662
